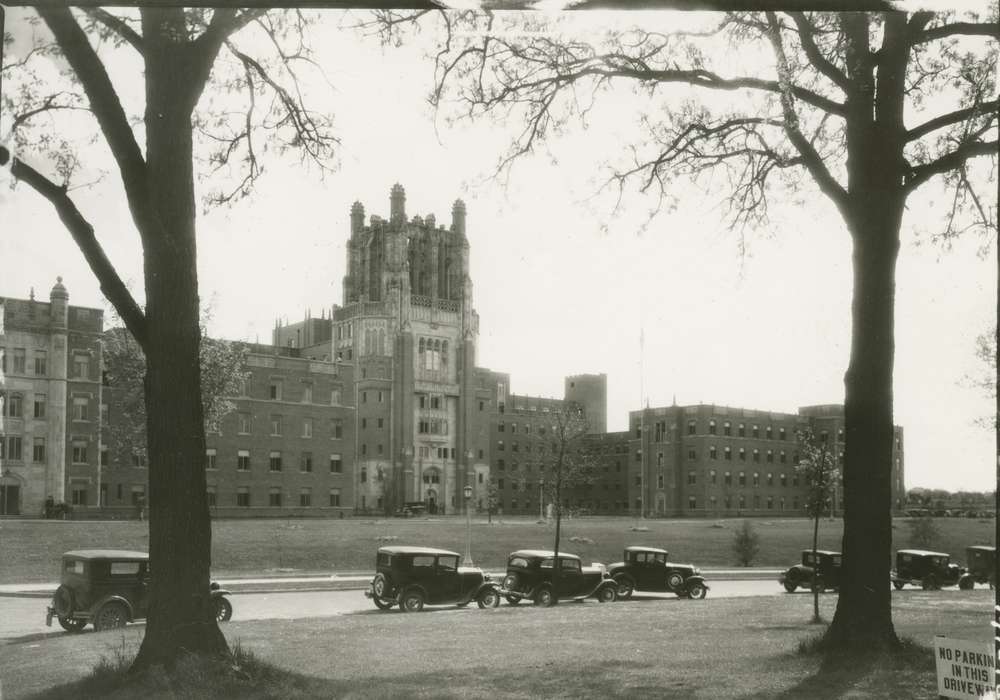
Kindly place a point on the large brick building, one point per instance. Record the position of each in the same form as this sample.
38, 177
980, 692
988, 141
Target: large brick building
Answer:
379, 403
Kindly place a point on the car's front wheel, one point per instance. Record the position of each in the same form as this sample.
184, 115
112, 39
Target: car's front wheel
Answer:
966, 583
608, 594
488, 598
512, 599
930, 583
413, 601
898, 585
382, 604
223, 609
545, 597
674, 581
110, 616
790, 586
626, 586
697, 591
71, 625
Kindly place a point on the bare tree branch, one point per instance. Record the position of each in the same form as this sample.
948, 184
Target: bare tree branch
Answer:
957, 29
105, 105
922, 173
48, 105
117, 25
816, 58
951, 118
83, 233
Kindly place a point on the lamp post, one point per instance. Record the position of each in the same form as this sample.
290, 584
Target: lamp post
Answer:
468, 528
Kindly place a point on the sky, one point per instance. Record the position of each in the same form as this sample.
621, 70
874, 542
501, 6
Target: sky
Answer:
564, 282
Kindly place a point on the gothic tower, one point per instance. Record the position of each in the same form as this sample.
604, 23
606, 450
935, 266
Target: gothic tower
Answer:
409, 327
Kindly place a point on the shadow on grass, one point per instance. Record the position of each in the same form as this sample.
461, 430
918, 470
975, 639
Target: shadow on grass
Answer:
903, 674
242, 675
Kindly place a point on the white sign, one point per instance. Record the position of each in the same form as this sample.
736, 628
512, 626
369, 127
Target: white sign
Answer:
965, 669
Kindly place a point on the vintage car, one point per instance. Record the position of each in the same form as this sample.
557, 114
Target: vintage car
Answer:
109, 588
411, 577
647, 569
826, 565
982, 567
530, 574
929, 570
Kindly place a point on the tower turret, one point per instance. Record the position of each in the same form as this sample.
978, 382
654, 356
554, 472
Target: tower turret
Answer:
357, 218
458, 217
397, 204
59, 299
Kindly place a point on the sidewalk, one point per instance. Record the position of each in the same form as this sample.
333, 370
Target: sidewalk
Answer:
354, 580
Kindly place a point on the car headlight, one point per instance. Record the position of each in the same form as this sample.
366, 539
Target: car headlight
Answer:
487, 577
697, 571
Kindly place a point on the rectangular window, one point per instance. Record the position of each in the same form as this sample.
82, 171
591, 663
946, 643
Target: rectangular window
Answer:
138, 459
336, 464
380, 422
306, 462
692, 478
243, 460
12, 407
275, 424
40, 405
743, 479
275, 462
245, 423
81, 366
305, 498
335, 397
336, 429
210, 496
659, 481
41, 363
210, 458
274, 497
243, 496
104, 456
307, 427
79, 453
307, 392
19, 361
79, 495
38, 450
105, 414
80, 408
335, 498
274, 390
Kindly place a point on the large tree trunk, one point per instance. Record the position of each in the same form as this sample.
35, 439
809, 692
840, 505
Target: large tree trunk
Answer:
181, 614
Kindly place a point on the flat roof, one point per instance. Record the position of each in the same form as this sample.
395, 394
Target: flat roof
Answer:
106, 554
823, 551
982, 547
541, 553
640, 548
415, 550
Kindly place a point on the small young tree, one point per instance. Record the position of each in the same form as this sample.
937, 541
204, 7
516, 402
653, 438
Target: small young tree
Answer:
746, 544
818, 469
564, 463
492, 499
924, 532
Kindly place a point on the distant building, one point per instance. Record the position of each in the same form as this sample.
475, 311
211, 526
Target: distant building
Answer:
379, 403
50, 399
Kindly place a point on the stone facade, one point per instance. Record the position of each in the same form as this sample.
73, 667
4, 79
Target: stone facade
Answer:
50, 391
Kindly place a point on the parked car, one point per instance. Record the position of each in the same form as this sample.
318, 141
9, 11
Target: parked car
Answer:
530, 576
411, 577
929, 570
109, 588
825, 563
647, 569
982, 567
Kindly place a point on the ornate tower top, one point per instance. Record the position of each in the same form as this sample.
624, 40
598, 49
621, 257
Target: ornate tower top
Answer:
59, 291
397, 204
458, 217
357, 217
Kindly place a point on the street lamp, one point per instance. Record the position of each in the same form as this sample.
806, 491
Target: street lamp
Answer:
468, 528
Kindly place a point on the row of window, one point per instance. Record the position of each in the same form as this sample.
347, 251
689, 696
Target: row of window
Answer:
275, 461
741, 502
768, 433
276, 391
526, 427
727, 479
277, 423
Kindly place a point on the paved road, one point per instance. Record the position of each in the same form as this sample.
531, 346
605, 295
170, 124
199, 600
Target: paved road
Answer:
22, 618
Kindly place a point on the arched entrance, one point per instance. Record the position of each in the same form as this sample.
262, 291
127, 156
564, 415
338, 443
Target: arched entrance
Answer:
431, 499
10, 495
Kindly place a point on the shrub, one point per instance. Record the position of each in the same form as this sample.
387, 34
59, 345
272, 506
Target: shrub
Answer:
746, 544
924, 532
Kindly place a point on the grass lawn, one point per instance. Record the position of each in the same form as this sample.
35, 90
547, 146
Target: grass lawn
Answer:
725, 648
30, 550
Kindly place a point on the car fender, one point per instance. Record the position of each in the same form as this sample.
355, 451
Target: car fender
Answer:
409, 587
474, 595
605, 583
113, 599
691, 580
216, 592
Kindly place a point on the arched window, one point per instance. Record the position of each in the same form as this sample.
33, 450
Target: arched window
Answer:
381, 341
421, 346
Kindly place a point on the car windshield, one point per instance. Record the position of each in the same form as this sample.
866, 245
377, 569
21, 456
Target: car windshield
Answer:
448, 563
518, 563
383, 559
73, 566
422, 562
124, 568
569, 564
